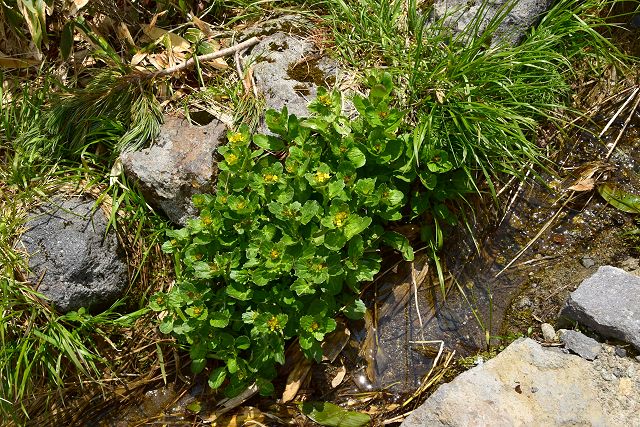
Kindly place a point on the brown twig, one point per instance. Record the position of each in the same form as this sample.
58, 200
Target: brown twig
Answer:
208, 57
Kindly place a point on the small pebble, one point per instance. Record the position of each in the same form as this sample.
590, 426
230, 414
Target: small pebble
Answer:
534, 389
632, 371
548, 333
607, 376
524, 302
587, 262
638, 358
620, 352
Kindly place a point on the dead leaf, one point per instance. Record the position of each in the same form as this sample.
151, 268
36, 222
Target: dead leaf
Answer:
7, 62
440, 96
76, 5
245, 416
295, 379
335, 342
138, 57
337, 380
202, 26
178, 44
122, 31
218, 64
584, 184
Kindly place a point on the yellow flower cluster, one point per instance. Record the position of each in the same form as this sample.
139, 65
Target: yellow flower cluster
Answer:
340, 218
322, 177
236, 138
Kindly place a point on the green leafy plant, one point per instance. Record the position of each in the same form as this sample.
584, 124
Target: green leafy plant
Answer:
282, 247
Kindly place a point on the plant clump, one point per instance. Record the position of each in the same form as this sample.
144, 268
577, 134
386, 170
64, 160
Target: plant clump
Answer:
282, 247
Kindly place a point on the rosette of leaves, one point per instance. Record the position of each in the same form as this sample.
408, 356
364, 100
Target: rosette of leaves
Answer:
282, 247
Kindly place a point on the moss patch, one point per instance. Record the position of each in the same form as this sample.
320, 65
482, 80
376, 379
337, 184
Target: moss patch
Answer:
309, 72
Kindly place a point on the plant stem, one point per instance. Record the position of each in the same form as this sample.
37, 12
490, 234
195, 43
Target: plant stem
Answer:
208, 57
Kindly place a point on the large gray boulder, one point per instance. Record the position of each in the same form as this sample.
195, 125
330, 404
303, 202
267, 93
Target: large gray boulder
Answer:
73, 261
529, 385
608, 302
180, 164
288, 70
466, 16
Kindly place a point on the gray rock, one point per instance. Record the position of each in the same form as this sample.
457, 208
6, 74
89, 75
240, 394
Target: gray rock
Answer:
587, 262
179, 165
527, 384
288, 71
608, 302
620, 352
463, 15
75, 263
548, 333
580, 344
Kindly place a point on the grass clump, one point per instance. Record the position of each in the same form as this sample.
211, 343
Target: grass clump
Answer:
476, 97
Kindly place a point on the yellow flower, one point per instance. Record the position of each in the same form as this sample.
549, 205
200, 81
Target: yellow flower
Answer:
315, 326
273, 323
325, 100
236, 138
274, 254
322, 177
340, 218
232, 159
269, 177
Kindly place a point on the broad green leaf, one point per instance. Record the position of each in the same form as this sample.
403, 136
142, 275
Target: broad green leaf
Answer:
335, 240
217, 377
400, 243
356, 157
330, 415
303, 287
620, 199
356, 310
269, 143
356, 225
219, 319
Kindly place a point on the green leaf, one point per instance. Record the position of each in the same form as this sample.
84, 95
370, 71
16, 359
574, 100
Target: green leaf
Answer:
66, 39
217, 377
400, 243
335, 188
356, 157
330, 415
334, 240
238, 291
356, 310
302, 287
620, 199
197, 365
219, 319
268, 142
166, 327
356, 225
243, 342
